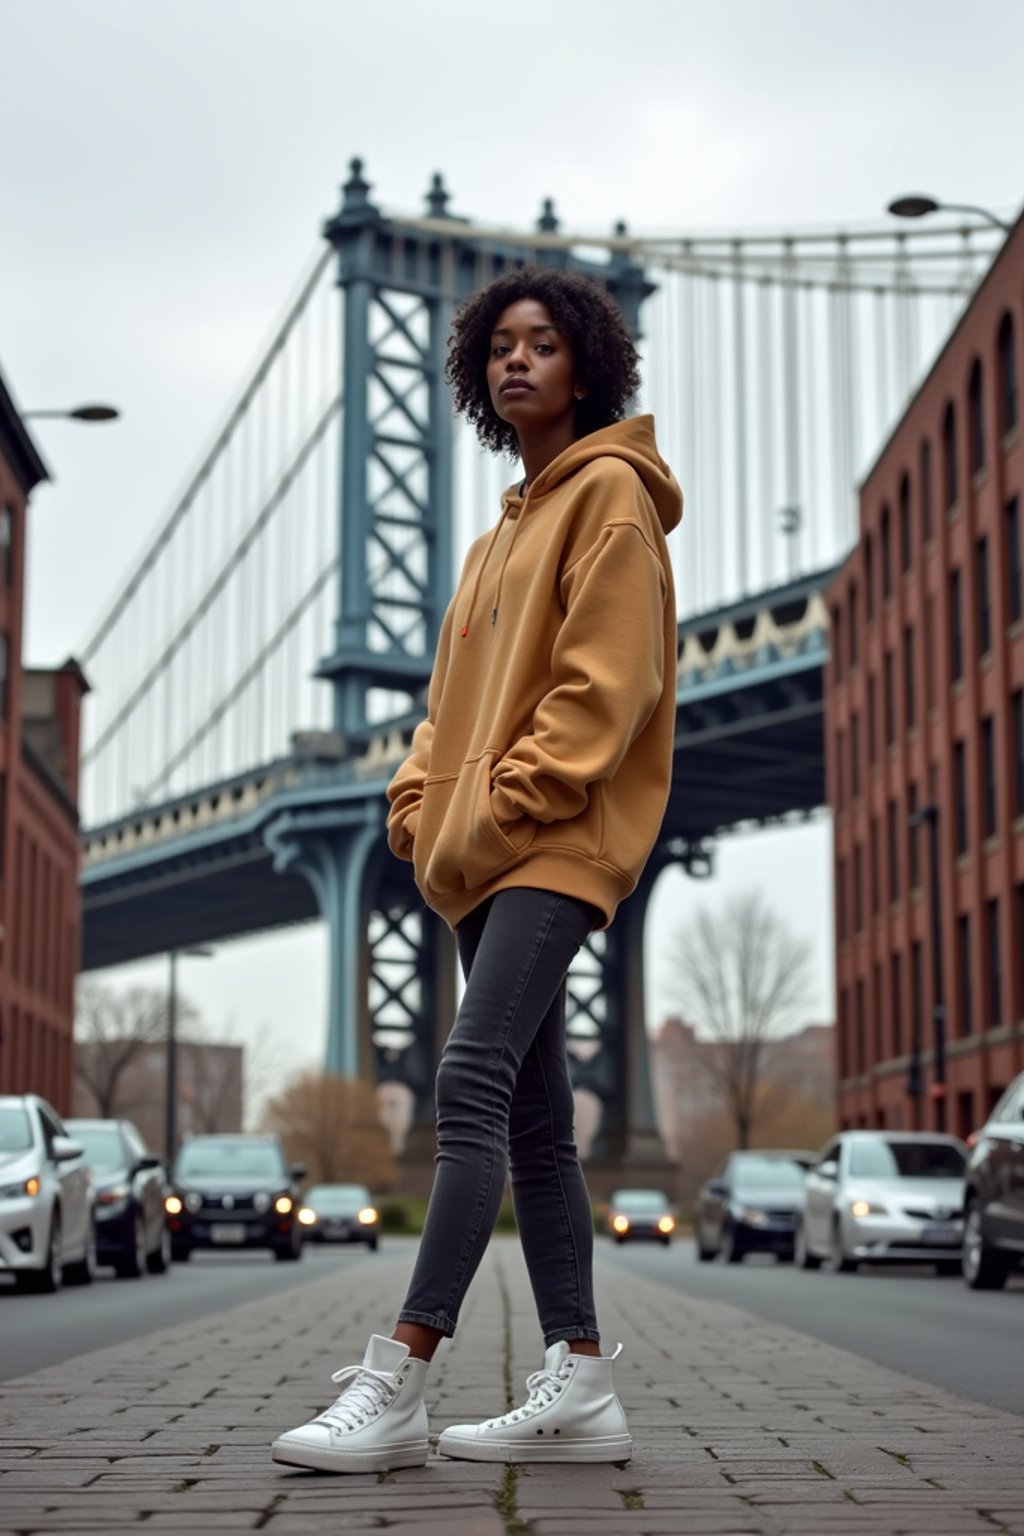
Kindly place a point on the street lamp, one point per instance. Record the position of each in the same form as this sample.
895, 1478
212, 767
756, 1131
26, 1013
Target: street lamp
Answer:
929, 814
917, 205
200, 951
78, 413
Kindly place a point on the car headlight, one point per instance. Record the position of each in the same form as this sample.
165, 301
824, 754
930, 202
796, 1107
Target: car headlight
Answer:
114, 1195
867, 1208
666, 1224
30, 1186
367, 1216
751, 1216
193, 1200
261, 1202
307, 1216
173, 1205
620, 1223
283, 1204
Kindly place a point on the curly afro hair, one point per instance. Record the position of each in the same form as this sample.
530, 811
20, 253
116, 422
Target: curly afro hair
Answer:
590, 320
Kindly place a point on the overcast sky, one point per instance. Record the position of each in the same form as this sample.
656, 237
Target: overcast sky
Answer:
167, 167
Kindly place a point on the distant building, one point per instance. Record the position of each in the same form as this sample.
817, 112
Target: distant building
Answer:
924, 704
40, 907
210, 1088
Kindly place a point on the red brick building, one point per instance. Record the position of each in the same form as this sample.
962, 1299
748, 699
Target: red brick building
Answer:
40, 909
925, 707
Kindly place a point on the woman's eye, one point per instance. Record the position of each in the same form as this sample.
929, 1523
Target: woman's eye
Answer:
544, 346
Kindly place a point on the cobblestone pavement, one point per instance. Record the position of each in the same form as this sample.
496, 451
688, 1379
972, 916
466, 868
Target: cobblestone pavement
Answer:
742, 1428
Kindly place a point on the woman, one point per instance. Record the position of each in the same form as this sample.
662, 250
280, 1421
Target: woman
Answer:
529, 804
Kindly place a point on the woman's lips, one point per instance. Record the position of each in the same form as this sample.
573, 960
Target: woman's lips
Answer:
517, 387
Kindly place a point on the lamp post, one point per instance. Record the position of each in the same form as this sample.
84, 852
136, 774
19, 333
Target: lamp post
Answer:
200, 951
90, 413
917, 205
929, 814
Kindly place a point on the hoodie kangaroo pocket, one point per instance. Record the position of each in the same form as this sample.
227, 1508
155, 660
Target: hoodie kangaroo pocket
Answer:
469, 846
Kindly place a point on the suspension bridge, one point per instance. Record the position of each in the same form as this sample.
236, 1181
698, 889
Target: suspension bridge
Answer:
258, 676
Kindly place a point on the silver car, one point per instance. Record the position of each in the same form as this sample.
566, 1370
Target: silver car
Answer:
884, 1196
47, 1233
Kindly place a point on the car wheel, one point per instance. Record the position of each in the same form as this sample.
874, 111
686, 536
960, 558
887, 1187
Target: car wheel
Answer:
984, 1267
83, 1270
373, 1244
802, 1255
159, 1261
133, 1264
730, 1250
842, 1264
619, 1240
51, 1276
666, 1242
180, 1252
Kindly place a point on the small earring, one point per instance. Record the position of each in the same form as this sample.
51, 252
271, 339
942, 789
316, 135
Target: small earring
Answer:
580, 394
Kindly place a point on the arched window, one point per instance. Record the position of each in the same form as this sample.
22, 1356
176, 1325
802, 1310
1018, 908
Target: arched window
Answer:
976, 419
949, 457
1007, 377
906, 546
886, 553
869, 576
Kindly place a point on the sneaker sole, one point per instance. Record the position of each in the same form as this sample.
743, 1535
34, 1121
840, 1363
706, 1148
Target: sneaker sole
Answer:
389, 1458
603, 1448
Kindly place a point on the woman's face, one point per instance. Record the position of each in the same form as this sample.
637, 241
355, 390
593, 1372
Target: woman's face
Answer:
530, 371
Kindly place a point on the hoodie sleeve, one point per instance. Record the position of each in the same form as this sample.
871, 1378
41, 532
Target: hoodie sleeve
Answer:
405, 792
607, 668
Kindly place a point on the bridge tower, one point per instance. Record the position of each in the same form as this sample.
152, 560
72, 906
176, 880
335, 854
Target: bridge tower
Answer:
392, 962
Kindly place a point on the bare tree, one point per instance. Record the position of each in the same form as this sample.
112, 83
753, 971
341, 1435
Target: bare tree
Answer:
112, 1031
743, 981
225, 1078
332, 1125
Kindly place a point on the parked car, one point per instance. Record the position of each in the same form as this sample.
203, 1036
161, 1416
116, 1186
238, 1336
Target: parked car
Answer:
130, 1187
750, 1206
46, 1198
640, 1213
884, 1196
234, 1192
994, 1195
342, 1213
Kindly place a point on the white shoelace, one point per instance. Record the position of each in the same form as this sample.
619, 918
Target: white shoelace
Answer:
543, 1387
366, 1395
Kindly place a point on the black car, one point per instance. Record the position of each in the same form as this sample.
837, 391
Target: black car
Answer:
993, 1244
640, 1213
129, 1184
234, 1192
341, 1213
751, 1205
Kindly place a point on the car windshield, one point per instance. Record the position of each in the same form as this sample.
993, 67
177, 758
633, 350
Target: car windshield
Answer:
103, 1147
338, 1196
751, 1173
229, 1160
906, 1160
639, 1200
15, 1130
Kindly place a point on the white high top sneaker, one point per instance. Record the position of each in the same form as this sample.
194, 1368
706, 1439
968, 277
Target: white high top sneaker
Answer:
571, 1414
379, 1421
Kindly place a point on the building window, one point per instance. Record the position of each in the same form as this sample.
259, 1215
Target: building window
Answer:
837, 642
894, 850
858, 889
926, 490
4, 683
993, 962
855, 755
909, 693
956, 632
844, 1024
6, 548
841, 899
916, 990
872, 713
1007, 377
960, 790
859, 1025
890, 700
876, 1008
1018, 750
963, 931
840, 769
869, 576
976, 423
984, 597
896, 1001
930, 659
873, 854
913, 840
1013, 558
906, 546
852, 621
886, 553
949, 457
988, 758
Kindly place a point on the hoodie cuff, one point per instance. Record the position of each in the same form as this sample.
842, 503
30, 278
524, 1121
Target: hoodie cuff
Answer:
503, 808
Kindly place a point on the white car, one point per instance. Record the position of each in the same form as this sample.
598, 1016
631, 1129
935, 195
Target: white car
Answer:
884, 1197
47, 1233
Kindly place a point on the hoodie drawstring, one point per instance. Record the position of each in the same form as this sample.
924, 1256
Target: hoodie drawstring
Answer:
483, 565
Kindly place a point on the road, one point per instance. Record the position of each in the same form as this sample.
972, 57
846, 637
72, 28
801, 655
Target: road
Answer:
36, 1331
909, 1319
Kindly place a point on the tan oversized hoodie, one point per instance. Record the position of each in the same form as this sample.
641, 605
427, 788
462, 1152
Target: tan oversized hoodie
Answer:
546, 755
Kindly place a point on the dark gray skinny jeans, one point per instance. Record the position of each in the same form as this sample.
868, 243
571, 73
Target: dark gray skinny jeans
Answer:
504, 1103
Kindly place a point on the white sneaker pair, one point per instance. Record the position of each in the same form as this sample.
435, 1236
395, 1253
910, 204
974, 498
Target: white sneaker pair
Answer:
379, 1422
